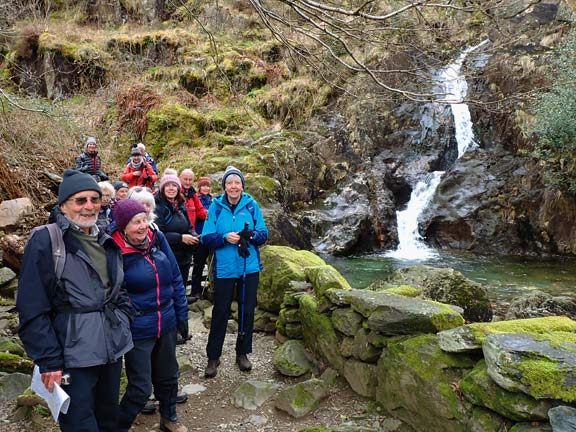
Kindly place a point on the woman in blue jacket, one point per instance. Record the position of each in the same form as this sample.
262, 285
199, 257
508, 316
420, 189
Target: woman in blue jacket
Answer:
154, 285
235, 229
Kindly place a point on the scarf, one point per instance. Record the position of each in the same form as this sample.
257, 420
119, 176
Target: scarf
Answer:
136, 165
141, 247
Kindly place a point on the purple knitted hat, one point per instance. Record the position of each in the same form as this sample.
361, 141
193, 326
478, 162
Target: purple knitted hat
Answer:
125, 210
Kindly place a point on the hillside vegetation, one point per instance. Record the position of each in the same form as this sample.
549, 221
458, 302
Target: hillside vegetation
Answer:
301, 96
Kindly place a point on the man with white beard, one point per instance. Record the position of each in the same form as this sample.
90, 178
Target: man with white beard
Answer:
77, 325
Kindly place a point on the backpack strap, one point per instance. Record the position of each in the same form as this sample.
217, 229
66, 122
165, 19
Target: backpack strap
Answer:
58, 248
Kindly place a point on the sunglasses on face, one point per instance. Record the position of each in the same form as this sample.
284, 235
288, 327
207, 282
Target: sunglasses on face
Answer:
83, 200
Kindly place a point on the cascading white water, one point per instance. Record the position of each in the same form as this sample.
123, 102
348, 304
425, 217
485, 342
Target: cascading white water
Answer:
410, 243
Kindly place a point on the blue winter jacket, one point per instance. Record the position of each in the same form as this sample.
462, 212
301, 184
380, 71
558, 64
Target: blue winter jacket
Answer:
79, 324
206, 201
220, 222
154, 285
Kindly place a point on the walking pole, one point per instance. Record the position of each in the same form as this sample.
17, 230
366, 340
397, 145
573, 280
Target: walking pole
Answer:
242, 298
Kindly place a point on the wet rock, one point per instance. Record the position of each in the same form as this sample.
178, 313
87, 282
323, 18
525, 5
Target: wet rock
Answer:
481, 390
448, 286
541, 366
391, 314
292, 359
540, 304
252, 394
303, 398
563, 419
471, 336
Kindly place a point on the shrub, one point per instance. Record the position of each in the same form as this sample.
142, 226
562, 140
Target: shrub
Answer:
555, 121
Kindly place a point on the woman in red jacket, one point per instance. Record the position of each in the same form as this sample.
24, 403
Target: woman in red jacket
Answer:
138, 172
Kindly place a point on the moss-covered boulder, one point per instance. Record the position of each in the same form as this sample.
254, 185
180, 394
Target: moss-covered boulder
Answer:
481, 390
319, 333
292, 359
392, 314
325, 277
362, 349
541, 366
470, 337
14, 363
12, 346
303, 398
361, 376
484, 420
416, 384
347, 321
282, 265
448, 286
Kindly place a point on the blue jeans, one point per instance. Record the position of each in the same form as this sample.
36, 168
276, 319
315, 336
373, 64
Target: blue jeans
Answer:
223, 296
94, 395
150, 362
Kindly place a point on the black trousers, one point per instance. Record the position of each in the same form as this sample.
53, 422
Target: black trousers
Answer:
152, 362
223, 296
200, 257
94, 395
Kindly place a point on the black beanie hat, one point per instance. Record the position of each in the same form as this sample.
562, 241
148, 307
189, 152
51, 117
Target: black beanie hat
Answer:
74, 182
119, 185
232, 170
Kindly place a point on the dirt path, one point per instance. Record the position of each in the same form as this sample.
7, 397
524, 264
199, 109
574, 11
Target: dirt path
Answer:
211, 409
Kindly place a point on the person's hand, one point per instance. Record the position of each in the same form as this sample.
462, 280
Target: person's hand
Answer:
190, 240
233, 237
49, 378
137, 173
182, 327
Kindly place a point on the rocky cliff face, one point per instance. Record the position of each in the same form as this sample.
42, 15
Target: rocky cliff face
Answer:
337, 171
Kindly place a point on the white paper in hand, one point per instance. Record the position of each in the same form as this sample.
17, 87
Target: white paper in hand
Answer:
58, 400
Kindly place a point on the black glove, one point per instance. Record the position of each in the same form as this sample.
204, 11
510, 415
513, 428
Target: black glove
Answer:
146, 180
182, 327
245, 235
243, 248
104, 177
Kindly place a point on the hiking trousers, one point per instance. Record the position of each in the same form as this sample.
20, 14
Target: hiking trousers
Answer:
223, 296
94, 395
152, 362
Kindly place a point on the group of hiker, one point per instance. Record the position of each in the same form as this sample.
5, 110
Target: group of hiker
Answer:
120, 294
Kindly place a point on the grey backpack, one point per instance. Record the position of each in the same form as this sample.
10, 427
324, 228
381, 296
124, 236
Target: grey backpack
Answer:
58, 248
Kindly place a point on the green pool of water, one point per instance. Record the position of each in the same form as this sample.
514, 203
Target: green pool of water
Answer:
504, 277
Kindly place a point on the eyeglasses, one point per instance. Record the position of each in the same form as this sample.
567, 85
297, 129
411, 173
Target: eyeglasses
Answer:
83, 200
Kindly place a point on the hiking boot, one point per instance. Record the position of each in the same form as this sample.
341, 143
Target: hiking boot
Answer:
243, 363
211, 368
172, 426
180, 340
181, 397
150, 407
192, 299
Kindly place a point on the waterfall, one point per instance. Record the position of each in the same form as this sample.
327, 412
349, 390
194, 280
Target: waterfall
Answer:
453, 85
